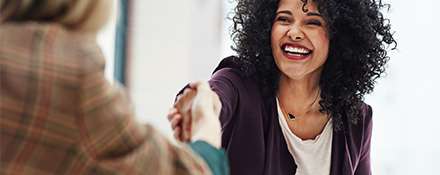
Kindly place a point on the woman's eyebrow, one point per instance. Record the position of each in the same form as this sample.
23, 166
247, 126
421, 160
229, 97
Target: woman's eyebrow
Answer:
313, 14
284, 11
308, 13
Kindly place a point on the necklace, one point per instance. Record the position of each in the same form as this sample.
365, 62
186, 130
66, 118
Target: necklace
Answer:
292, 116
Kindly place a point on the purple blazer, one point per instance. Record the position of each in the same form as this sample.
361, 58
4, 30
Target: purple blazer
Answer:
253, 139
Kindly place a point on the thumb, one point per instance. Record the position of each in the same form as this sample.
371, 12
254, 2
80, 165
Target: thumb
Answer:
202, 104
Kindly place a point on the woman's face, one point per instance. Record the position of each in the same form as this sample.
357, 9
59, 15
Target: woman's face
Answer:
299, 39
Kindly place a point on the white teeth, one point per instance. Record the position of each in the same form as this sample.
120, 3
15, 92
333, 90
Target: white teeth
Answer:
296, 50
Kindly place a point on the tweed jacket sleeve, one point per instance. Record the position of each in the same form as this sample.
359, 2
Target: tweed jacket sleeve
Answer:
59, 115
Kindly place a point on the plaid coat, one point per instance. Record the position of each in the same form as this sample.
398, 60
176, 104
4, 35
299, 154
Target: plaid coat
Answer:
59, 115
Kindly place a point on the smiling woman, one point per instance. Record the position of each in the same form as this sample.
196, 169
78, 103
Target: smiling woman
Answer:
299, 40
292, 99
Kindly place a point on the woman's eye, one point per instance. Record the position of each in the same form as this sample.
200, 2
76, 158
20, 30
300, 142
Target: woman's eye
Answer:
314, 22
283, 19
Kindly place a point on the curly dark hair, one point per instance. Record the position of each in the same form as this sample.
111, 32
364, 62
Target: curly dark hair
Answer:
359, 38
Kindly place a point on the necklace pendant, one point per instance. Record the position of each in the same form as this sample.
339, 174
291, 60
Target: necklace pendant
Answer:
291, 116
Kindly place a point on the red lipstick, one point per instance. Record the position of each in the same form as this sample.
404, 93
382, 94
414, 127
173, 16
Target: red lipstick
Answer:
296, 52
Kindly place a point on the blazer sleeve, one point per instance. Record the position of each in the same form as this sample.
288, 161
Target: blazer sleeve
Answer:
114, 141
364, 165
223, 83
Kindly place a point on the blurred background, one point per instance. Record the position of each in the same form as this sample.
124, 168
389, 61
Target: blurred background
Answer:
162, 45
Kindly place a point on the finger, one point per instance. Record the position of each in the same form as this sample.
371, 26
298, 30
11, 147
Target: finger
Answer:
194, 85
171, 113
181, 92
176, 121
178, 103
178, 97
183, 103
186, 126
200, 85
190, 129
184, 108
178, 134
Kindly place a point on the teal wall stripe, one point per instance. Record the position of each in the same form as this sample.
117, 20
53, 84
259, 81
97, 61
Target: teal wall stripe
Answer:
121, 42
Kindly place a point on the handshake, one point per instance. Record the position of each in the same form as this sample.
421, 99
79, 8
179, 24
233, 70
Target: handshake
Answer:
195, 115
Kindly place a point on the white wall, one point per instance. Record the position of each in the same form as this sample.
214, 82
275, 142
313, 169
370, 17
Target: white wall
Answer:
173, 42
106, 40
405, 102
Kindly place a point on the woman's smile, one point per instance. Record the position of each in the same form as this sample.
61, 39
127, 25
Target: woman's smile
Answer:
296, 52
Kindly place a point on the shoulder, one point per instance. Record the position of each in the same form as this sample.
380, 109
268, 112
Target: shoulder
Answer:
364, 118
229, 69
78, 51
360, 132
52, 50
57, 46
366, 115
230, 79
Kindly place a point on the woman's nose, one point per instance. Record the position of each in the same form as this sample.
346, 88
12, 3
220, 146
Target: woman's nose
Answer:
295, 33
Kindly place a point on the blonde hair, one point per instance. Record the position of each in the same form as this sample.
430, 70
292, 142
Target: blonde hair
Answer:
80, 15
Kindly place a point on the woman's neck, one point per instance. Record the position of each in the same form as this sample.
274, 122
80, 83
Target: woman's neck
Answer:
298, 95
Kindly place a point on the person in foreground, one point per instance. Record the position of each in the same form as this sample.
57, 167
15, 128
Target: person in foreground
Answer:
292, 99
59, 115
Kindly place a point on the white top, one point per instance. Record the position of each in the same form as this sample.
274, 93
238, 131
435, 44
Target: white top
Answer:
313, 157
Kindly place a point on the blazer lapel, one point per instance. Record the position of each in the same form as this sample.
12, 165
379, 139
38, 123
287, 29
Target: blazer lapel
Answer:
341, 159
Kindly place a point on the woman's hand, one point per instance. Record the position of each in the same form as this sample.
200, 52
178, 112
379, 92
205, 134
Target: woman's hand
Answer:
182, 107
195, 115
